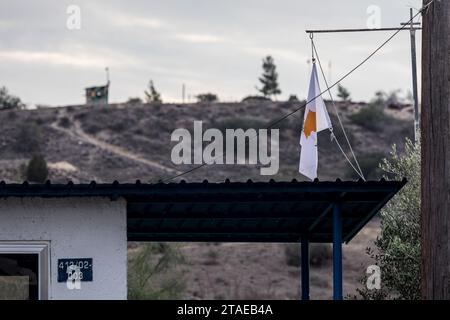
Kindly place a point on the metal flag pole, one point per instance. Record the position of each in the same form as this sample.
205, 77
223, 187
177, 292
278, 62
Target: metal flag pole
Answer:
413, 26
414, 77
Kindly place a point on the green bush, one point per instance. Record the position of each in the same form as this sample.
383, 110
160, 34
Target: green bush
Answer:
371, 117
36, 170
207, 97
151, 274
293, 98
397, 250
256, 99
134, 100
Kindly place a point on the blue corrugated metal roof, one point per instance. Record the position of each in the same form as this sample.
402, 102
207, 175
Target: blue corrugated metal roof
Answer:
232, 211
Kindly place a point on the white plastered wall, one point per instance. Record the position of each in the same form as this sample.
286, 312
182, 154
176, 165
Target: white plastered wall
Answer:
74, 228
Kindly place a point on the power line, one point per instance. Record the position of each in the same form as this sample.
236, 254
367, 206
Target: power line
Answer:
273, 123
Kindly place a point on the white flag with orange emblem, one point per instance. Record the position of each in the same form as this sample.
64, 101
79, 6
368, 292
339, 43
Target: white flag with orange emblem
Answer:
316, 119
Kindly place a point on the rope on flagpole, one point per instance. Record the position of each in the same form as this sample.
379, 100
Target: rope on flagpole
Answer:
360, 174
358, 171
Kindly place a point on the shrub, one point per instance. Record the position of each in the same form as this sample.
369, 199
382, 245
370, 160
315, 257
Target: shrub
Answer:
138, 131
149, 276
37, 170
398, 247
134, 100
117, 127
82, 116
28, 139
371, 117
92, 128
11, 115
64, 122
255, 99
39, 121
212, 258
207, 97
292, 255
319, 254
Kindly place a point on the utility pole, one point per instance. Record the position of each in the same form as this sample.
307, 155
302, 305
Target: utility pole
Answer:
435, 126
414, 77
413, 26
183, 93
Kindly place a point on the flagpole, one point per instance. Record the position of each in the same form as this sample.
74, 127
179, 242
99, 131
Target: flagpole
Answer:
414, 26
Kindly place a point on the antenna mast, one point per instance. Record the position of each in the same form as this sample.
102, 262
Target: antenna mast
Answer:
107, 76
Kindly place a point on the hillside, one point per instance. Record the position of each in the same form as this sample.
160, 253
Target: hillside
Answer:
129, 142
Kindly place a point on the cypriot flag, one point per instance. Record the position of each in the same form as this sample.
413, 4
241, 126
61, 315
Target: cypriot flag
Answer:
316, 119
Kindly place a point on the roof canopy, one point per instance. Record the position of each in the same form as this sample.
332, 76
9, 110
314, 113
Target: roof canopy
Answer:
232, 212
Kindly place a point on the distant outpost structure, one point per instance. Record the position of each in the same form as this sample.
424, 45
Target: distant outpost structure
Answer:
98, 95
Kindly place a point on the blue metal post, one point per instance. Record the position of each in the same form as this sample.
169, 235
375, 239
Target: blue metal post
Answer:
337, 252
305, 267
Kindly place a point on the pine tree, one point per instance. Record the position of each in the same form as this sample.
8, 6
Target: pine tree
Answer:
269, 78
37, 170
151, 95
8, 101
343, 93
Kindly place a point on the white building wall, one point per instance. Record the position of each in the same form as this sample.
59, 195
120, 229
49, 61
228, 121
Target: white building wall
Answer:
75, 228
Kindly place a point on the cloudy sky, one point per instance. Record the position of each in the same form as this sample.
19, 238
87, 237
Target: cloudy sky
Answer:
210, 45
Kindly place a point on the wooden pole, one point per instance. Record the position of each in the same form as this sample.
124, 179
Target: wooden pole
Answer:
435, 126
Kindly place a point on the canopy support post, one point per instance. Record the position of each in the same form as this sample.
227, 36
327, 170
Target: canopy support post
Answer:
305, 266
337, 252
